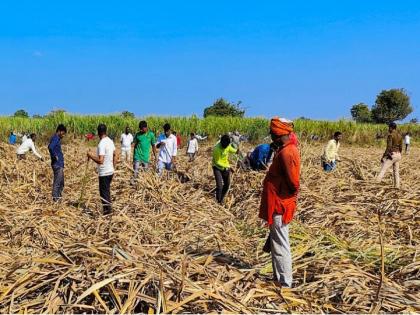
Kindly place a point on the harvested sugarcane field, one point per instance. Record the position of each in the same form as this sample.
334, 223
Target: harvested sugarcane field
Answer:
169, 247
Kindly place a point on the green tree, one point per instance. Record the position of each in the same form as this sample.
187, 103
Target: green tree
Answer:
361, 113
414, 120
36, 116
391, 105
127, 114
21, 113
222, 107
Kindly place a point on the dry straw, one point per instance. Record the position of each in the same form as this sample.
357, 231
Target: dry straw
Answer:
169, 248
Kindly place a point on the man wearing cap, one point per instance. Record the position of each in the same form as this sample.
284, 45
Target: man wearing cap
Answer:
279, 198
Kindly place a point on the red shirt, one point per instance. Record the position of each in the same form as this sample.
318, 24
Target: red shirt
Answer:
178, 140
281, 185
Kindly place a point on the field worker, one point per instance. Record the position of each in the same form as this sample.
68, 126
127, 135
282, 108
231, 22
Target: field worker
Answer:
178, 139
236, 139
12, 138
168, 149
106, 159
24, 137
407, 140
330, 156
57, 161
192, 147
28, 144
126, 141
144, 140
260, 157
279, 198
392, 155
221, 166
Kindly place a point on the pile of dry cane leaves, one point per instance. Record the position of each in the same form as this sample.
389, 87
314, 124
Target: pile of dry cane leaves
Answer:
168, 247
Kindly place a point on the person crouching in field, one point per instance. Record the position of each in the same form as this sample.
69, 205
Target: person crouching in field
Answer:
221, 166
260, 158
167, 150
144, 140
126, 141
279, 198
106, 159
392, 155
192, 147
12, 138
57, 161
407, 141
28, 145
330, 155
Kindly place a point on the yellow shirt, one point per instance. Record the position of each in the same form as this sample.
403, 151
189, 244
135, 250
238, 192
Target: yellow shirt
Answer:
221, 156
331, 151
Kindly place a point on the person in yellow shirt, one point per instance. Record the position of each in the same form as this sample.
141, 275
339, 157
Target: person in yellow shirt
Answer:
330, 156
221, 166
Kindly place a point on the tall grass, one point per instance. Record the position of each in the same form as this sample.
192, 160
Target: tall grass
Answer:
255, 128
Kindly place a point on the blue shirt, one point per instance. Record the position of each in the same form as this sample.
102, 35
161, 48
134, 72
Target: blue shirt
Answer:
260, 156
57, 158
12, 139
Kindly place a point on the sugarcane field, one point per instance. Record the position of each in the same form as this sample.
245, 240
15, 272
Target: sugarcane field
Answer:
168, 245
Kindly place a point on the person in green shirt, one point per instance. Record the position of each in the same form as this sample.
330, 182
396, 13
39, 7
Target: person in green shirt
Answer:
144, 140
221, 166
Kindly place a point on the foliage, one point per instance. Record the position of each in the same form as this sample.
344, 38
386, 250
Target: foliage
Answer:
222, 108
361, 113
127, 114
391, 105
21, 113
414, 120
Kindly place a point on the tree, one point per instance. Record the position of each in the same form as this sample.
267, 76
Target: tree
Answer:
361, 113
36, 116
391, 105
127, 114
21, 113
221, 107
414, 120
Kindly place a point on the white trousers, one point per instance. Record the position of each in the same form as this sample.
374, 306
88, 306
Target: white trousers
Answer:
125, 155
281, 254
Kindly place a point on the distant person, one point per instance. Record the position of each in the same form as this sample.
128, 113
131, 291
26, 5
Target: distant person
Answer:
407, 140
144, 141
126, 141
260, 157
178, 139
57, 161
90, 136
192, 147
235, 139
392, 155
12, 138
330, 156
200, 137
279, 198
28, 145
221, 166
105, 157
167, 150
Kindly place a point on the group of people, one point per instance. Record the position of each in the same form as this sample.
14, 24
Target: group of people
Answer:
280, 159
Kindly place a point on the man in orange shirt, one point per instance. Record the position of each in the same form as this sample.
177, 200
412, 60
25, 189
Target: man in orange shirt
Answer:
279, 197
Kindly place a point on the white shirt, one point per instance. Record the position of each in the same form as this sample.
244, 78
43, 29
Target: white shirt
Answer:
192, 146
106, 148
407, 139
168, 149
27, 145
126, 141
24, 138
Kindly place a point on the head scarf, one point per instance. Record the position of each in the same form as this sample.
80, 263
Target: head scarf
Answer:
281, 126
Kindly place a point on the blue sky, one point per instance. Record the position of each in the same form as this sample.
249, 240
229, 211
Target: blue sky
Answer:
288, 58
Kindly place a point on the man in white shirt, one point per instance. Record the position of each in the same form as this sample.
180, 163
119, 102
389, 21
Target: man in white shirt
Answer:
106, 159
28, 145
192, 147
407, 140
167, 150
126, 141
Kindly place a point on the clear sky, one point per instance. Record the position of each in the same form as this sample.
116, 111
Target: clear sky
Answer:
291, 58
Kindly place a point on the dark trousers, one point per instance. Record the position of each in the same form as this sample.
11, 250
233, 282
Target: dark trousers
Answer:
105, 192
58, 182
222, 183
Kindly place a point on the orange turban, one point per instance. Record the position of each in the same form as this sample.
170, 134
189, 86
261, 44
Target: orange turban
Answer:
280, 127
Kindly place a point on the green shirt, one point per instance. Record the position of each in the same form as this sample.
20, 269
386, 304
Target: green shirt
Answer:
221, 156
142, 144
